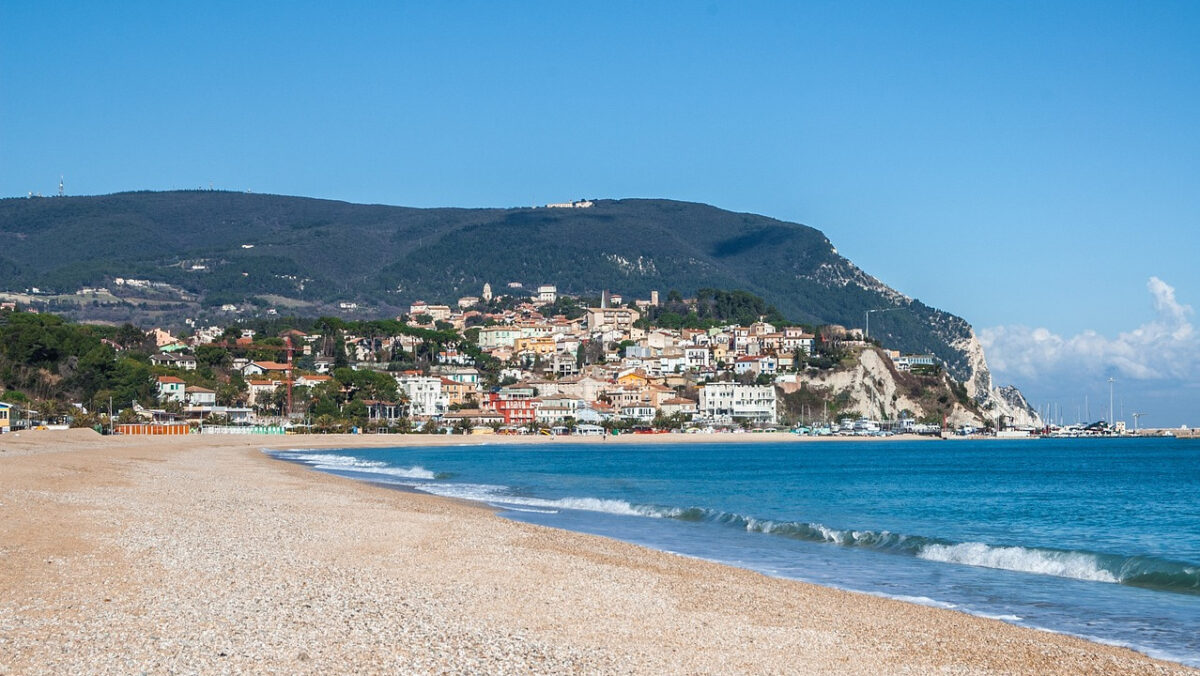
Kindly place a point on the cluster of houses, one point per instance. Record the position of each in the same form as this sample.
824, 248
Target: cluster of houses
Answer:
601, 366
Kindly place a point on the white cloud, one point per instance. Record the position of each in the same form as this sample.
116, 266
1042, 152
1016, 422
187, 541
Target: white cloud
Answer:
1166, 348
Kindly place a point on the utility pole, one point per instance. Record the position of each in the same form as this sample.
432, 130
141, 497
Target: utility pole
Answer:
1110, 402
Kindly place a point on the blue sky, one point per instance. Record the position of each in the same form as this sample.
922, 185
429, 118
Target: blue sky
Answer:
1033, 167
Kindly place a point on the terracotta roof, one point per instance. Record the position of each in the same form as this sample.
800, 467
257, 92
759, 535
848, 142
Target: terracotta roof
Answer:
169, 379
678, 402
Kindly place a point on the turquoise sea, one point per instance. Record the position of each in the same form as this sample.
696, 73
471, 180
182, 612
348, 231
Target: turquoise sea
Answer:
1097, 538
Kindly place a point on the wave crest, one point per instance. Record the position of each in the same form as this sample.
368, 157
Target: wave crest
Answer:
330, 461
1076, 565
1137, 571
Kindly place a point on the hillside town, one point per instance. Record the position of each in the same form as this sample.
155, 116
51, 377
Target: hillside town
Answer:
537, 362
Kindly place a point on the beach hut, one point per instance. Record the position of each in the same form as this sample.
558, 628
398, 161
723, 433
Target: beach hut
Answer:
587, 430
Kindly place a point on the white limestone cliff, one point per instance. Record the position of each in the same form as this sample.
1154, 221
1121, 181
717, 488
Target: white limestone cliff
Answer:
995, 401
875, 390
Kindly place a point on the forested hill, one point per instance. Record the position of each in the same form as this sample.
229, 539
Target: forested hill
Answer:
222, 247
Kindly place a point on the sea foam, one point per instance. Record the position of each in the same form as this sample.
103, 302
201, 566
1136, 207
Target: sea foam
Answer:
1075, 565
332, 462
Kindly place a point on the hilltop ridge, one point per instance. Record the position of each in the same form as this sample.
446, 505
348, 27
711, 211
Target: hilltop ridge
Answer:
208, 249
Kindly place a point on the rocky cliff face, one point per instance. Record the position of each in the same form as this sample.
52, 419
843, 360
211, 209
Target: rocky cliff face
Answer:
872, 388
995, 402
963, 355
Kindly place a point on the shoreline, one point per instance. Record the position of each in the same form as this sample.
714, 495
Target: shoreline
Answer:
205, 554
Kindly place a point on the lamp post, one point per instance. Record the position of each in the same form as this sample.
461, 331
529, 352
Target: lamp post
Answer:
1111, 422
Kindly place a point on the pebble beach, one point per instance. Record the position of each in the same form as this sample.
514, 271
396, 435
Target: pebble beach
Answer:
201, 554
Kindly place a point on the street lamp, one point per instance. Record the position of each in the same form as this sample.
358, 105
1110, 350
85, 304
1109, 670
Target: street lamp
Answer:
1110, 402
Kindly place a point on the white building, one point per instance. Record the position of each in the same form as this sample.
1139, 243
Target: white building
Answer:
259, 391
906, 362
536, 330
672, 360
425, 395
795, 338
200, 396
547, 293
460, 374
727, 402
492, 337
170, 388
555, 409
756, 365
638, 412
697, 357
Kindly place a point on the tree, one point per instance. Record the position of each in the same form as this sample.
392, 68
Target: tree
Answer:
230, 393
340, 360
89, 419
324, 423
131, 337
356, 412
799, 359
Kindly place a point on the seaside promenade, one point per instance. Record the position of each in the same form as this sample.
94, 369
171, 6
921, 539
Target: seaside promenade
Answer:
203, 555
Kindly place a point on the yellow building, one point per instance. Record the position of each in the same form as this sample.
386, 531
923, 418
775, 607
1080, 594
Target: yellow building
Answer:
635, 379
459, 393
5, 417
540, 345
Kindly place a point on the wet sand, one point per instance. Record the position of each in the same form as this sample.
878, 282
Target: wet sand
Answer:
201, 554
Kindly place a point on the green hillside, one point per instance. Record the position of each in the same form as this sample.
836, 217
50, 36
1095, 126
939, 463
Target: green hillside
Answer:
222, 247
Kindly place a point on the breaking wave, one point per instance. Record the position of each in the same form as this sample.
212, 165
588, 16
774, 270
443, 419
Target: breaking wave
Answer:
329, 461
499, 496
1137, 571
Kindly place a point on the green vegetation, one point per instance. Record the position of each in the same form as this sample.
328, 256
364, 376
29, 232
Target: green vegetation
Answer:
44, 359
712, 307
323, 251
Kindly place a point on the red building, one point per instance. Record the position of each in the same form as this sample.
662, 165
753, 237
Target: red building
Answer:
516, 411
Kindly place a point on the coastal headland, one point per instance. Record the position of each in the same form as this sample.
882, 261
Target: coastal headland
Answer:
202, 554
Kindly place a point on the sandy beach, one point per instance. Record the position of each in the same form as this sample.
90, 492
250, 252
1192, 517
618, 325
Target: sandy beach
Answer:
201, 554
